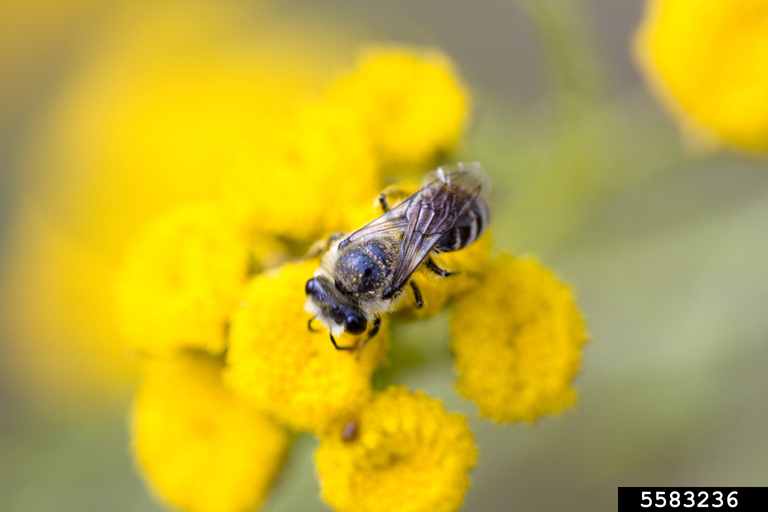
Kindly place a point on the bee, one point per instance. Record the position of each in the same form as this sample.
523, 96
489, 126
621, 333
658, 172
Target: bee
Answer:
363, 274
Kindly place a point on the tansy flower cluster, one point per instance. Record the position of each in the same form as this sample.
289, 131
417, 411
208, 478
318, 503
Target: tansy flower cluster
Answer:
212, 297
706, 60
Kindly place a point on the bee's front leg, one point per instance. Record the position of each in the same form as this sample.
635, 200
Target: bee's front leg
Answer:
333, 340
373, 332
322, 246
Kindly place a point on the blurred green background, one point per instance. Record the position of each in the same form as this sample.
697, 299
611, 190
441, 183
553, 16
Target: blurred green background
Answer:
668, 252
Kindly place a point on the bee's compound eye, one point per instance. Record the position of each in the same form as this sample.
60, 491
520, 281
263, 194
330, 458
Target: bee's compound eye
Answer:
355, 323
311, 286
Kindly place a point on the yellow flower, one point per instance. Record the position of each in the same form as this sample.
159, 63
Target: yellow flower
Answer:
144, 118
300, 171
517, 339
412, 103
403, 452
277, 363
180, 281
62, 347
199, 447
707, 60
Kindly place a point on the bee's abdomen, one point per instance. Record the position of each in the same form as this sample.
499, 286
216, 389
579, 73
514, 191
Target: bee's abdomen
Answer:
470, 226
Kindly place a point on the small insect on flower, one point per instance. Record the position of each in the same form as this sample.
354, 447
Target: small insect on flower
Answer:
363, 274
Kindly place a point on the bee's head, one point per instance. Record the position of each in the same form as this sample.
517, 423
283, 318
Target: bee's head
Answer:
330, 307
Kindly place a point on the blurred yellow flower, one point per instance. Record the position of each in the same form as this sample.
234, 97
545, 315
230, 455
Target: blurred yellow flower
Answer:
217, 139
278, 364
517, 340
402, 452
57, 319
144, 117
236, 163
412, 104
180, 281
296, 167
706, 59
200, 447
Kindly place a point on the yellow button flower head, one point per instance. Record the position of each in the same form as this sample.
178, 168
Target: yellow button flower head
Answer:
180, 280
143, 116
412, 103
707, 60
297, 375
296, 165
201, 448
403, 452
517, 340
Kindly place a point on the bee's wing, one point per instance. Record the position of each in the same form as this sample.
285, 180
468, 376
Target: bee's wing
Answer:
465, 175
422, 219
392, 223
431, 215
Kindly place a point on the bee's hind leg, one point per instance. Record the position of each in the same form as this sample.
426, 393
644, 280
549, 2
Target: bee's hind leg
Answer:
417, 295
432, 266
